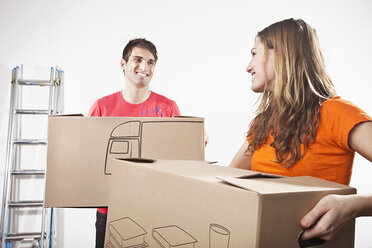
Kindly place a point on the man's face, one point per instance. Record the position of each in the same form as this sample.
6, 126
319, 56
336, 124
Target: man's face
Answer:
139, 68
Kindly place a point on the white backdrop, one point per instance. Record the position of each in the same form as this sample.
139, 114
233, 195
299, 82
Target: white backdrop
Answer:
203, 51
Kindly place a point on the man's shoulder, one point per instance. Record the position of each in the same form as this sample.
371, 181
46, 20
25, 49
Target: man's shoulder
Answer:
160, 98
102, 105
110, 98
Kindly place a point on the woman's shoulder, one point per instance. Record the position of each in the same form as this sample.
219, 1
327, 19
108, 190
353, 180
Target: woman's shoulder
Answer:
335, 101
339, 104
338, 108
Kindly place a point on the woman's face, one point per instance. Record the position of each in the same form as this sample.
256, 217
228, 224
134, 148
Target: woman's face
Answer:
261, 68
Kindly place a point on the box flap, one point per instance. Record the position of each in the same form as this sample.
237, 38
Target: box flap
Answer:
74, 115
265, 184
185, 116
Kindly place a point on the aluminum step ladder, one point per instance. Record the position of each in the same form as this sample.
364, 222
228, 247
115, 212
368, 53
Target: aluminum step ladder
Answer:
11, 206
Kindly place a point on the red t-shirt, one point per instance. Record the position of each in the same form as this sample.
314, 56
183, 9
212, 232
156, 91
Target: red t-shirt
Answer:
115, 105
329, 156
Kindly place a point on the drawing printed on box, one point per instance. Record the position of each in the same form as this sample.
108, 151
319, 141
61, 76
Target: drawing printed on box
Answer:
173, 236
123, 143
219, 236
127, 141
126, 233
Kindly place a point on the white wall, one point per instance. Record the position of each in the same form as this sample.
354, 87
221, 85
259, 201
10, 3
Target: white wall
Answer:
203, 51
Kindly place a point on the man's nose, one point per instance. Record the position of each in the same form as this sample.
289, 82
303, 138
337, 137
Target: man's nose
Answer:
143, 66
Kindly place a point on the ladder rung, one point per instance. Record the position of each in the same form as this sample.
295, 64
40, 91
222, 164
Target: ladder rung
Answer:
30, 142
34, 82
24, 236
32, 112
28, 172
25, 204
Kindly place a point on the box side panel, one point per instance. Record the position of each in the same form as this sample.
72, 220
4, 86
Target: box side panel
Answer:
181, 139
81, 151
206, 213
281, 215
75, 159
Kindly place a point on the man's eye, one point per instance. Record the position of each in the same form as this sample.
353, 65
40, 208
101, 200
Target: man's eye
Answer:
253, 53
137, 60
151, 63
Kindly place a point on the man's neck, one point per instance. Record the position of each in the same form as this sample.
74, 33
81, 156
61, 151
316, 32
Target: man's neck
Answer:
135, 95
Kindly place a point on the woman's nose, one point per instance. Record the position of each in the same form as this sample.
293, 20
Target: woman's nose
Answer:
249, 68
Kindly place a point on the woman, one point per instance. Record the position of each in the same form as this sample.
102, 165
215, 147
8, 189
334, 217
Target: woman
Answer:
302, 127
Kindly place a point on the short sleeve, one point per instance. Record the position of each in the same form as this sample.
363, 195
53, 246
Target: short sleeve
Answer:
174, 109
341, 117
94, 110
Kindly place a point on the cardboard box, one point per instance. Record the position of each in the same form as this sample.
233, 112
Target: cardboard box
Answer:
194, 204
81, 149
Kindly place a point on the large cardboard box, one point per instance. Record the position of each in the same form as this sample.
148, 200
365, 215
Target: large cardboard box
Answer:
194, 204
81, 149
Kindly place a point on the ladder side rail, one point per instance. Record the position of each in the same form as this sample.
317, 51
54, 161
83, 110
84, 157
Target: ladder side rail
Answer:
8, 160
56, 91
51, 91
47, 240
50, 111
15, 186
61, 92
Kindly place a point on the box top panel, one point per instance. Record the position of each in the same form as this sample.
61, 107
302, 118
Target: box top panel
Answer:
258, 182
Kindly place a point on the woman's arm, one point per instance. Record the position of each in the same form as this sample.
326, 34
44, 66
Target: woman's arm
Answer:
332, 211
360, 139
242, 160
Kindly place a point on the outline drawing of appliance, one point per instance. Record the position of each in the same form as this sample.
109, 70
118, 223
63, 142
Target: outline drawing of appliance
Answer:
127, 140
219, 236
126, 233
173, 236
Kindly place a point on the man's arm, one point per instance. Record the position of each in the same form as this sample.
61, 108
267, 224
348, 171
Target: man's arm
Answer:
241, 159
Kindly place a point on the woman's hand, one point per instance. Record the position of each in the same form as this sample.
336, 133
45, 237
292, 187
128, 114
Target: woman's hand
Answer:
331, 212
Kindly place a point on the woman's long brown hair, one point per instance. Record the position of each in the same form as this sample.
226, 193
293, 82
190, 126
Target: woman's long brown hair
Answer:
290, 113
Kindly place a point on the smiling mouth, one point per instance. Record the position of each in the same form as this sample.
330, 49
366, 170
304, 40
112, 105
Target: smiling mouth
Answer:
142, 74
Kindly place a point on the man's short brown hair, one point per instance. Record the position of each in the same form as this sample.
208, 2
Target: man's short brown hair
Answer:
142, 43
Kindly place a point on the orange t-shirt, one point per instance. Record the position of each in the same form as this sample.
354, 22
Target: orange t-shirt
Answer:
329, 156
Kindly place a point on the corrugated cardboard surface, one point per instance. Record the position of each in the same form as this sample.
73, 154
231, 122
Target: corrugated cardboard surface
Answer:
193, 204
81, 149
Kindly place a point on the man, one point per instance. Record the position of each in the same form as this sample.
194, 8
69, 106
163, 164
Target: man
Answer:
136, 100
